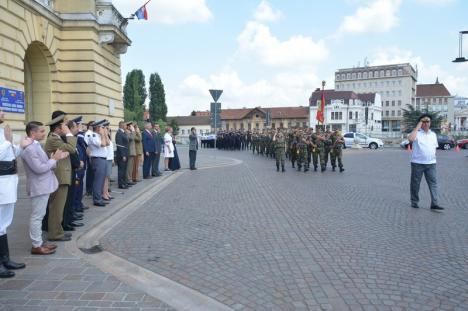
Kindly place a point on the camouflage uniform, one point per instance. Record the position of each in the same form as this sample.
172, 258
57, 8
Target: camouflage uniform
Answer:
280, 147
302, 155
315, 151
293, 150
337, 152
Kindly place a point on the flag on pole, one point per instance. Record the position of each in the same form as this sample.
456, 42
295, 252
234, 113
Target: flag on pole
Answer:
321, 108
142, 13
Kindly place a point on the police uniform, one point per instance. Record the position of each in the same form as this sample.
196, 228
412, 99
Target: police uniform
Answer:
98, 157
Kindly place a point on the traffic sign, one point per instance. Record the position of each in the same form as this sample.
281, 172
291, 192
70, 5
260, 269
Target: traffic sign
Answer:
216, 94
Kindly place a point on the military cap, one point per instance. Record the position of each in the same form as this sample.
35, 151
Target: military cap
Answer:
106, 123
129, 123
426, 115
57, 120
98, 123
78, 120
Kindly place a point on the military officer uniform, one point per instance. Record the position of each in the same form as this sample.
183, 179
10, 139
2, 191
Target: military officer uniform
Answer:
98, 156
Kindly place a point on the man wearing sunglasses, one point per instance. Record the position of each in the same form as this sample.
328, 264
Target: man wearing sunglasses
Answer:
423, 161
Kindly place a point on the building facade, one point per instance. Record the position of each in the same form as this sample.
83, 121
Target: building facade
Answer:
185, 124
61, 54
396, 85
259, 118
348, 111
436, 98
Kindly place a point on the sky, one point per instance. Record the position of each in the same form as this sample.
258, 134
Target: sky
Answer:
274, 53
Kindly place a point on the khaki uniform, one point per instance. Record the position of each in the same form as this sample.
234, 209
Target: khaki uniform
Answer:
63, 172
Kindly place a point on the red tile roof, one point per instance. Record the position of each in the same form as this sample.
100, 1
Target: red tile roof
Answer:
289, 112
235, 114
431, 90
190, 120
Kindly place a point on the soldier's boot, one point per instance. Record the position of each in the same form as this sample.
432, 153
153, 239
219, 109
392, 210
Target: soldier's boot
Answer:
333, 168
299, 167
315, 168
306, 169
323, 169
341, 169
277, 167
282, 168
292, 164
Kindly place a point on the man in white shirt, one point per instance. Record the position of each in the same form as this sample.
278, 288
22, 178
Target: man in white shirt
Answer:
423, 161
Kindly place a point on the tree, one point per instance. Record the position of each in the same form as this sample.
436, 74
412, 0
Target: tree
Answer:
157, 104
134, 95
175, 126
411, 116
193, 113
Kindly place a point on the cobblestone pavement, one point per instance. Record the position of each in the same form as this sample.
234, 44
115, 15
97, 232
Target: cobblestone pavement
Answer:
255, 239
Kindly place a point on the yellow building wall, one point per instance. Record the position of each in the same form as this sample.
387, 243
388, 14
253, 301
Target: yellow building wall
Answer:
85, 76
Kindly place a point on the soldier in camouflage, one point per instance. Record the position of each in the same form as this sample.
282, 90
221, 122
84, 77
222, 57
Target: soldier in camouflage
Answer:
279, 142
336, 151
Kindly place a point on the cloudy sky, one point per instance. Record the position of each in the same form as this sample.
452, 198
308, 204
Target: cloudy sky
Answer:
276, 52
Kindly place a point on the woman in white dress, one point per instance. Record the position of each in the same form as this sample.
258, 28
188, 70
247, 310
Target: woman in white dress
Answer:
168, 148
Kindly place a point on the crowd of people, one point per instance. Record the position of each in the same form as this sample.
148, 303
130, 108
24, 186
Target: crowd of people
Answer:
300, 146
75, 159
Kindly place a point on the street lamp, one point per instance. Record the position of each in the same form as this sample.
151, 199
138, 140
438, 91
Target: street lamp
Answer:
460, 58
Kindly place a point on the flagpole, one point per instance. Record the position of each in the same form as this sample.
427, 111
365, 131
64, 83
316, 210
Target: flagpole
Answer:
323, 97
132, 16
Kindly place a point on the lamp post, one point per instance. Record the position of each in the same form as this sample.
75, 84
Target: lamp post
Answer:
460, 58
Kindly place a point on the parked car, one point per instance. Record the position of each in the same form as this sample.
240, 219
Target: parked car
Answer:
363, 140
445, 142
463, 143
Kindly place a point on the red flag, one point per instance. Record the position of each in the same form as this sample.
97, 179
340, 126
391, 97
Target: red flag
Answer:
320, 109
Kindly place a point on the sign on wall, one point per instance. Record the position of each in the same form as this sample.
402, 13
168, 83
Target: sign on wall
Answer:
11, 100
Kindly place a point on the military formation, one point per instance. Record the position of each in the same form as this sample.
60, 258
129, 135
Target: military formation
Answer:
302, 147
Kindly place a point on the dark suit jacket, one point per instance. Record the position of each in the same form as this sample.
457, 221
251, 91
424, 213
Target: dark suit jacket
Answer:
148, 142
121, 140
158, 141
193, 146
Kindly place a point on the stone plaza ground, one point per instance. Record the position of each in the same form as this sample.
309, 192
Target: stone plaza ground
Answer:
249, 238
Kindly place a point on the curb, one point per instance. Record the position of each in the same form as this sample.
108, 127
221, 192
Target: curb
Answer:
87, 247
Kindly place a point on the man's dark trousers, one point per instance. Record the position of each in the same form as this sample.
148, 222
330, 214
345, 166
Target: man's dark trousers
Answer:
148, 162
155, 164
192, 158
121, 172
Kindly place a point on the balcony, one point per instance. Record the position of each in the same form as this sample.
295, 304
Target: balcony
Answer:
46, 3
113, 25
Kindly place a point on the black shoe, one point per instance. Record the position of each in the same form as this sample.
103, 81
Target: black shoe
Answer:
323, 169
282, 169
131, 184
79, 210
99, 204
77, 218
5, 255
414, 205
62, 239
123, 187
333, 169
68, 228
154, 175
437, 208
148, 177
77, 224
67, 234
5, 273
341, 170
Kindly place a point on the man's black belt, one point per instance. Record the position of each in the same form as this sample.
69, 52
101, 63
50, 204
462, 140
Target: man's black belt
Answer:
99, 158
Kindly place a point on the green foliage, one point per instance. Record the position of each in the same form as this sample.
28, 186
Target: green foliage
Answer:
411, 116
157, 96
134, 95
175, 126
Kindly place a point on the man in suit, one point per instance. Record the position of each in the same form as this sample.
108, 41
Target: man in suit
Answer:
149, 150
158, 142
60, 138
193, 147
121, 156
40, 182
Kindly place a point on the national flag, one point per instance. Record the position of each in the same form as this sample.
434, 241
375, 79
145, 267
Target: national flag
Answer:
142, 13
321, 108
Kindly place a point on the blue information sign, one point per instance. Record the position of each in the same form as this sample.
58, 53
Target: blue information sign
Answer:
11, 100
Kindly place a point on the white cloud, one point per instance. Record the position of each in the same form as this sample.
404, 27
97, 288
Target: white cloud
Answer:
265, 13
257, 41
455, 81
282, 89
435, 2
378, 16
169, 11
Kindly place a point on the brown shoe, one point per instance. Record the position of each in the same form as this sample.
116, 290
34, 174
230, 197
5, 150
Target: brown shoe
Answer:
49, 246
42, 251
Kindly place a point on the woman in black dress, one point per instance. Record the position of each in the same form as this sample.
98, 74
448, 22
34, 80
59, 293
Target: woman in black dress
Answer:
174, 163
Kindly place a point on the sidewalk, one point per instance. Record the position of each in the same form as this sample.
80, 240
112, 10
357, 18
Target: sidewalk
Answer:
64, 281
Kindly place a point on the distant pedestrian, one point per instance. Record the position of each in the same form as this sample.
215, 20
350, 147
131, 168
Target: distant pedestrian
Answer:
193, 147
423, 161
